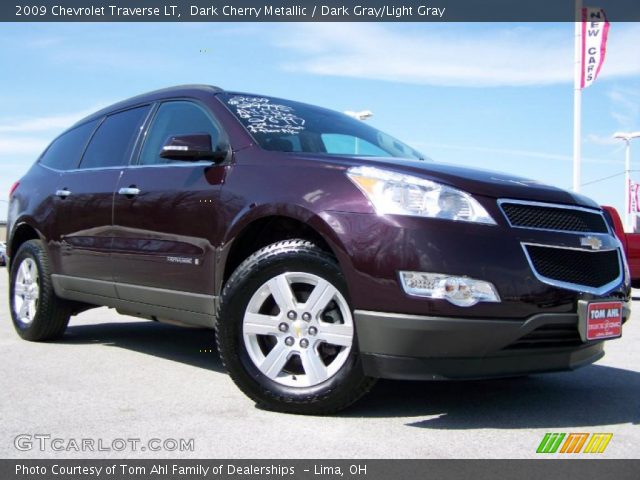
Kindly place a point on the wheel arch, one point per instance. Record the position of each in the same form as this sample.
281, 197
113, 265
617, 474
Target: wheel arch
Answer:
263, 226
22, 232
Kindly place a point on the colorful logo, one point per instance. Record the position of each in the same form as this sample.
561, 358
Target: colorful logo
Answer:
574, 443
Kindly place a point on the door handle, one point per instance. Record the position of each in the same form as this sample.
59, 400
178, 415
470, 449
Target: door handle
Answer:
129, 191
64, 193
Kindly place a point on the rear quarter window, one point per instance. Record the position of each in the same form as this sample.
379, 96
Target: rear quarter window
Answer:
112, 144
65, 151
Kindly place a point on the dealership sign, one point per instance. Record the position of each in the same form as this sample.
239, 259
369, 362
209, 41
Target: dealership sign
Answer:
595, 29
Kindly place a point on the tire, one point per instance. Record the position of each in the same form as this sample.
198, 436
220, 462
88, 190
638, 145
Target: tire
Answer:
253, 330
38, 314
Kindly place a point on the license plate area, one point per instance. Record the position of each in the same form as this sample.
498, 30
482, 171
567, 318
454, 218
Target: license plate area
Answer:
600, 320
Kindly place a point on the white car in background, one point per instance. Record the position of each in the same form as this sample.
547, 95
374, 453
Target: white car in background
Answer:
3, 254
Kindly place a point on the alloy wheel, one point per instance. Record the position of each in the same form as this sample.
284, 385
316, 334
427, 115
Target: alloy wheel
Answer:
298, 329
26, 291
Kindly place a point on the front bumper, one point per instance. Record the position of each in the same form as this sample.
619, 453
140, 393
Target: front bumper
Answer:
375, 248
417, 347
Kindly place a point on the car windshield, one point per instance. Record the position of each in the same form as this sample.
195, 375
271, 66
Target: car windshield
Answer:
286, 126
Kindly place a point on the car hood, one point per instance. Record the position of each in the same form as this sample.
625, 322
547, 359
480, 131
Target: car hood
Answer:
478, 181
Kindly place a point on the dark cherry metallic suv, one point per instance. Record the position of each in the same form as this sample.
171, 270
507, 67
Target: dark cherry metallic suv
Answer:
324, 252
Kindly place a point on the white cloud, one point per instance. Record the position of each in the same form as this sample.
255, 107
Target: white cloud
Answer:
29, 136
42, 124
625, 107
44, 42
517, 153
22, 146
520, 56
602, 140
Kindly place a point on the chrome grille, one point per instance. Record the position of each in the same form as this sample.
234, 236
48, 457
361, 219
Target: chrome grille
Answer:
567, 267
553, 217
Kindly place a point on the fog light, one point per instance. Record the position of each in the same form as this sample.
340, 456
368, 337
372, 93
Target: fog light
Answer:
461, 291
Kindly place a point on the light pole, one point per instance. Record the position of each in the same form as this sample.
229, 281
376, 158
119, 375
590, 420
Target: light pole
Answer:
362, 116
627, 137
577, 97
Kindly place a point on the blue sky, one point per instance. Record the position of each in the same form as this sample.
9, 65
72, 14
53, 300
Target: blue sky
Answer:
495, 96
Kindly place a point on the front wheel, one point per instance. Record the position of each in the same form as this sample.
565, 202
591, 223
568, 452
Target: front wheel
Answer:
286, 333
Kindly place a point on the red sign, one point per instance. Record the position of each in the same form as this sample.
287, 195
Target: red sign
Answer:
604, 320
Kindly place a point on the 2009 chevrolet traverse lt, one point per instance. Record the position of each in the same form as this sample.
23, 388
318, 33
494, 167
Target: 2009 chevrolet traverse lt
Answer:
324, 252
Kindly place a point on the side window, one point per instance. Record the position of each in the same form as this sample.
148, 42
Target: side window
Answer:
176, 118
111, 145
65, 151
349, 145
284, 143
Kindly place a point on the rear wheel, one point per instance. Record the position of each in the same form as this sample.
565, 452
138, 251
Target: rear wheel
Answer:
37, 313
286, 332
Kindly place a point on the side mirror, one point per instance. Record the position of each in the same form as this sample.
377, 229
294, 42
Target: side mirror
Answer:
191, 148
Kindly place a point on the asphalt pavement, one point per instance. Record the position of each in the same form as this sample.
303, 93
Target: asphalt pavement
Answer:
160, 389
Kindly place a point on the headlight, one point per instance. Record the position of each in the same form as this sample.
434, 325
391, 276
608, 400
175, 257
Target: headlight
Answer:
400, 194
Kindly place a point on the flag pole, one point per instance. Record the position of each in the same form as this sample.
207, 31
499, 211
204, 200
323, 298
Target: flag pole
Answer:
627, 186
577, 96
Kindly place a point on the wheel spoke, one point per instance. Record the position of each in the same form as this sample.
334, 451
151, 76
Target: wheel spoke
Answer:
30, 268
32, 309
19, 289
314, 369
336, 334
258, 324
282, 294
24, 308
320, 297
275, 360
25, 272
18, 304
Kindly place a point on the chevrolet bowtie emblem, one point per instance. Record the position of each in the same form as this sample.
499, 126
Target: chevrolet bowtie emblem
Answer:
593, 242
297, 329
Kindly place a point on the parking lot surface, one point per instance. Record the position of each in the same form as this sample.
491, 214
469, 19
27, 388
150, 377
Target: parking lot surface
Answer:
113, 377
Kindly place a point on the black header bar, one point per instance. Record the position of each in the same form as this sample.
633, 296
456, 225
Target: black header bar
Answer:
309, 11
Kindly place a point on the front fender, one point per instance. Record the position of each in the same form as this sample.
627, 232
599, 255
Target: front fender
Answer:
324, 224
